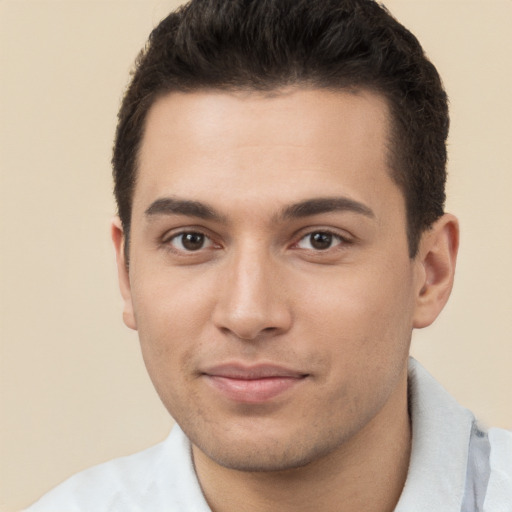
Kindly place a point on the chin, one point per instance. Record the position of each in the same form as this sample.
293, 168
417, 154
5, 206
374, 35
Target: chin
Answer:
258, 462
269, 455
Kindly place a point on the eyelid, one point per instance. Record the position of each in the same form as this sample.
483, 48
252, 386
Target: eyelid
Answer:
170, 233
207, 241
166, 240
336, 240
345, 237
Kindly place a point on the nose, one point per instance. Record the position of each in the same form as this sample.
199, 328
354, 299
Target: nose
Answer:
252, 301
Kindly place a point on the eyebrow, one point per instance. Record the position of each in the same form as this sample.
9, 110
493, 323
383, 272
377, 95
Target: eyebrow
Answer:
172, 206
307, 208
321, 205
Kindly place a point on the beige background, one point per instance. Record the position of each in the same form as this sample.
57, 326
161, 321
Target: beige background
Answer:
73, 388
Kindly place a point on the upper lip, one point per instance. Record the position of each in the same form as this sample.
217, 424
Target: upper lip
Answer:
252, 372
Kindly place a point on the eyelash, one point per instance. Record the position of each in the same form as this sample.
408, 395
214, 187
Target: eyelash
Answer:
341, 240
211, 244
167, 242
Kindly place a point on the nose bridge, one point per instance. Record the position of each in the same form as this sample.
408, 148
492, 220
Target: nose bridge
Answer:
251, 298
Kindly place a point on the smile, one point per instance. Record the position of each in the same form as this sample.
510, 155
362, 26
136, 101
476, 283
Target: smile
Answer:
252, 385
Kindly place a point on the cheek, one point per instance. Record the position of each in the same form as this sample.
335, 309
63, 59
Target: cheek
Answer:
170, 302
362, 331
168, 343
171, 316
361, 318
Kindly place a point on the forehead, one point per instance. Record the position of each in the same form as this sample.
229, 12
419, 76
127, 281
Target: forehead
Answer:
290, 143
299, 116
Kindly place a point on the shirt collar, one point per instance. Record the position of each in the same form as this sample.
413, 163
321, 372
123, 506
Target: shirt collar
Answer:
441, 430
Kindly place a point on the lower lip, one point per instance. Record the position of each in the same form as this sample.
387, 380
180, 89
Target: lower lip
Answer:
253, 391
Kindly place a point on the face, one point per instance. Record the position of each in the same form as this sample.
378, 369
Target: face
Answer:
269, 275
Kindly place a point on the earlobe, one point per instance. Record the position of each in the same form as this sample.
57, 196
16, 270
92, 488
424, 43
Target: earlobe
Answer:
436, 260
122, 271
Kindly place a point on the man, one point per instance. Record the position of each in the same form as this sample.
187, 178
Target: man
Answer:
279, 173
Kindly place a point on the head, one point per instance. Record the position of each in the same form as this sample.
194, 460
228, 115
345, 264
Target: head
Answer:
279, 173
269, 45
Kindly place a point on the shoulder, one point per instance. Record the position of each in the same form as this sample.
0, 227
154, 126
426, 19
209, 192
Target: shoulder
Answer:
102, 486
454, 464
499, 488
501, 440
153, 479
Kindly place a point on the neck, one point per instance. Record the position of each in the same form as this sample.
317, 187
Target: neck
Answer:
367, 473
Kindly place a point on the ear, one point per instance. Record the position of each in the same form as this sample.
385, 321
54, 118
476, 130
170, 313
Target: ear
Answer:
436, 258
122, 272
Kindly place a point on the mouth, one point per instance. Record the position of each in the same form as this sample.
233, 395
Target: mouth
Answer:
252, 384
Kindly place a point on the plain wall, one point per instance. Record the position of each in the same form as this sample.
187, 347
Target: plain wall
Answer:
74, 391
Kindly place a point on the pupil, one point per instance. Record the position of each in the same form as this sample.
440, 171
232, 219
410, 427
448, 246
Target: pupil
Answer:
192, 241
321, 241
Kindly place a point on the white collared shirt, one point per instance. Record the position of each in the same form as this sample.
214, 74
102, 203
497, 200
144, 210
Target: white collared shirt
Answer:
454, 467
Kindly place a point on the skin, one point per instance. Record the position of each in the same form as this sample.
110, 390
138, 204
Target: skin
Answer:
336, 311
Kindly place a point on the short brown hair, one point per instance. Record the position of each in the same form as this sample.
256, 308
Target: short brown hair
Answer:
265, 45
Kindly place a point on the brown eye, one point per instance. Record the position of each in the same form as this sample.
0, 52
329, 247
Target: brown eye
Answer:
319, 241
191, 241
